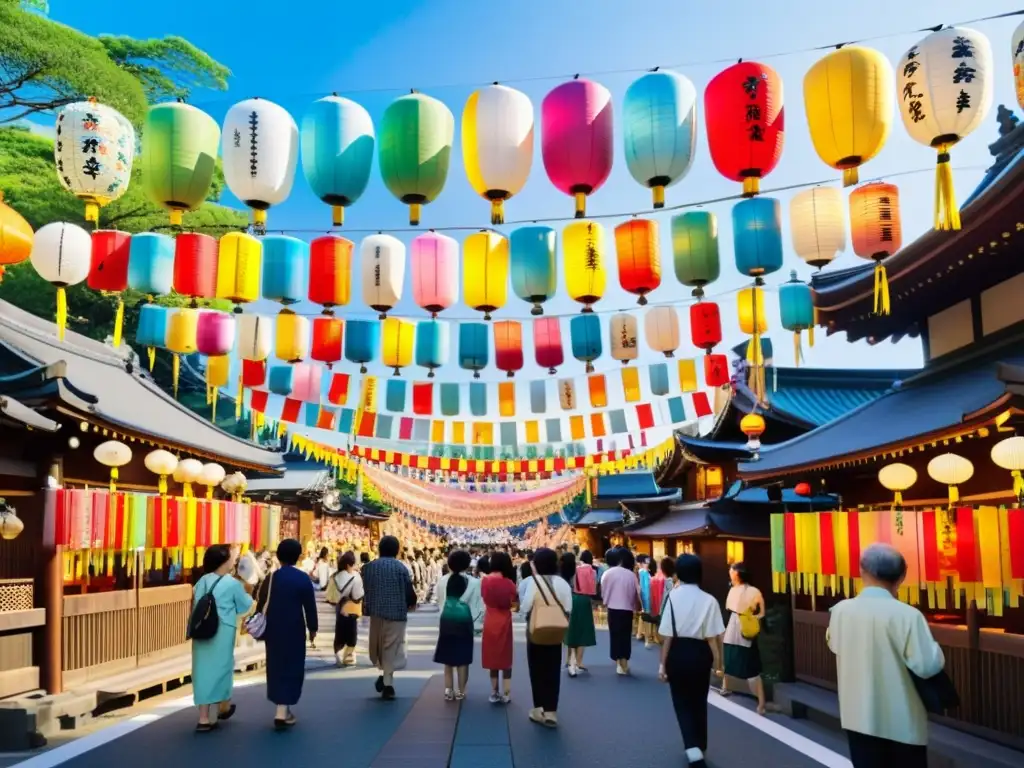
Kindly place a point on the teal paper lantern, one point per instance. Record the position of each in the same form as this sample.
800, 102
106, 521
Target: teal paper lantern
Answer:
362, 340
473, 347
796, 306
695, 249
433, 345
757, 236
585, 333
532, 264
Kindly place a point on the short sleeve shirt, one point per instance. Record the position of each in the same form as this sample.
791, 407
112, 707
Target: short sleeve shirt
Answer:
697, 614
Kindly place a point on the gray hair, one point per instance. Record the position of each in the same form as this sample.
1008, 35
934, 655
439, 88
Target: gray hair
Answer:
884, 562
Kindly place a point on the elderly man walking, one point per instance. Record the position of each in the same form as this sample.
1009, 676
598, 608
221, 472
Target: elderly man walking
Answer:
878, 642
388, 598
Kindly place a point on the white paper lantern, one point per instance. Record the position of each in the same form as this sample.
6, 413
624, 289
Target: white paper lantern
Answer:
951, 470
187, 472
661, 327
622, 336
1017, 51
11, 525
112, 454
260, 147
255, 337
1009, 454
817, 221
61, 253
94, 149
897, 478
383, 271
162, 463
211, 476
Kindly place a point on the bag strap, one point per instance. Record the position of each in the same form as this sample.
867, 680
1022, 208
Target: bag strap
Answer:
539, 580
349, 586
266, 604
672, 610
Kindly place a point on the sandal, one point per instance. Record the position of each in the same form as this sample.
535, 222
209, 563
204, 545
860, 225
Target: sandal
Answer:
449, 694
227, 713
284, 724
206, 727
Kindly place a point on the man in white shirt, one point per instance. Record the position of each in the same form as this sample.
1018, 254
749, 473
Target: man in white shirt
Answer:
878, 641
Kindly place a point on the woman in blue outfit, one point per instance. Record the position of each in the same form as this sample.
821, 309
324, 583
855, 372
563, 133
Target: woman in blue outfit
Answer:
286, 600
213, 660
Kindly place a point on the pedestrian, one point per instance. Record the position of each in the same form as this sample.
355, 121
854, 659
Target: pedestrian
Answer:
691, 630
620, 591
288, 604
544, 661
644, 580
345, 592
656, 599
213, 660
668, 571
322, 569
879, 642
483, 566
745, 605
581, 634
458, 594
498, 591
389, 596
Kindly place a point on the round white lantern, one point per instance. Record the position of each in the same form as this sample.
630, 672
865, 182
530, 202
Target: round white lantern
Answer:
187, 472
61, 253
1009, 454
162, 463
255, 337
113, 454
1017, 52
897, 478
661, 327
11, 525
817, 221
211, 476
383, 271
951, 470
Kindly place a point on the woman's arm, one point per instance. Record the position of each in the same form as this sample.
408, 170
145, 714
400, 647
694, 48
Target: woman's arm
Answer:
309, 608
716, 652
666, 644
757, 608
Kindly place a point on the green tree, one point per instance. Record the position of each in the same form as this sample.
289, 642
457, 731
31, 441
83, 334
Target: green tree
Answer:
170, 68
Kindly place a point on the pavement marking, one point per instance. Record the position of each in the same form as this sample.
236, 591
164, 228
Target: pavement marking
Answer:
779, 732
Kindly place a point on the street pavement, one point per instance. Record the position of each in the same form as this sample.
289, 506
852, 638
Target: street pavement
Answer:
604, 721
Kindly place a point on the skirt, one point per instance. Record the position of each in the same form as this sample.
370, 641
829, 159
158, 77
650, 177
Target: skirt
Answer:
581, 632
346, 631
620, 634
455, 644
742, 662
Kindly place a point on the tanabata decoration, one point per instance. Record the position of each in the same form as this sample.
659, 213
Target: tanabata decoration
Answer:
547, 343
61, 254
195, 266
577, 138
585, 334
659, 119
255, 343
328, 332
639, 257
497, 144
508, 346
622, 335
485, 265
94, 149
285, 260
817, 223
218, 372
152, 330
260, 150
291, 336
473, 350
239, 265
383, 272
796, 307
182, 331
416, 135
433, 345
661, 327
15, 237
877, 232
108, 270
533, 265
585, 276
945, 90
848, 97
362, 342
397, 345
215, 333
330, 272
705, 325
179, 157
434, 261
337, 141
695, 249
151, 264
754, 322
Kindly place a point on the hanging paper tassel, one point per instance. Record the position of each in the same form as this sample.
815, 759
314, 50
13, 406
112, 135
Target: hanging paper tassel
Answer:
751, 186
898, 499
810, 332
113, 479
881, 290
497, 211
954, 496
62, 312
581, 204
798, 353
186, 490
1018, 483
213, 410
151, 354
119, 322
946, 214
238, 400
162, 485
175, 370
851, 176
337, 215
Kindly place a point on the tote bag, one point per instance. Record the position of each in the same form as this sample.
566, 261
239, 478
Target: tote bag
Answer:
548, 619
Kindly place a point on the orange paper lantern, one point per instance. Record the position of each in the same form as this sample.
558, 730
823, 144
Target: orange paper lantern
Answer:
330, 271
327, 337
508, 346
639, 257
876, 231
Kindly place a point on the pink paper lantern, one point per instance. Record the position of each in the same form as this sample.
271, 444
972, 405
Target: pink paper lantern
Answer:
307, 381
215, 333
435, 271
547, 343
577, 138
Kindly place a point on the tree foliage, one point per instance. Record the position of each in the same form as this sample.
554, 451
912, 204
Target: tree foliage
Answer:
169, 68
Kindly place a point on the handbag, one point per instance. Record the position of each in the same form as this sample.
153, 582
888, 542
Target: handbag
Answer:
548, 621
256, 625
750, 627
349, 607
938, 694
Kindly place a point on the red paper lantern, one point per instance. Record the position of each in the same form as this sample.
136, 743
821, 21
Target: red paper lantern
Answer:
639, 257
705, 325
330, 271
716, 370
508, 346
254, 373
745, 122
195, 265
802, 489
108, 267
547, 343
327, 338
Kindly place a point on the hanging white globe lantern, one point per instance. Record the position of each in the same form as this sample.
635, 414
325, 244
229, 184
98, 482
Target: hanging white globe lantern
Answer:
61, 254
113, 454
1009, 454
162, 463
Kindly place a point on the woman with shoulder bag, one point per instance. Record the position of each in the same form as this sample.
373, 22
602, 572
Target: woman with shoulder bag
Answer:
745, 605
581, 634
548, 596
462, 611
345, 593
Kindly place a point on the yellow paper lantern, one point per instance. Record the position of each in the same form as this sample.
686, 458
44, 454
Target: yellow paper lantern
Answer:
585, 276
239, 262
161, 463
897, 478
951, 470
291, 337
182, 329
398, 339
113, 454
750, 307
753, 426
485, 265
1009, 454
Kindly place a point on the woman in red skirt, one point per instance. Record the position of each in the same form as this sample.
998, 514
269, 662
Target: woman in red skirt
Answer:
498, 590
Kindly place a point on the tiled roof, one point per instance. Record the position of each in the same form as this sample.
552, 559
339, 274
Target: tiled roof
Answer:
817, 396
627, 485
600, 517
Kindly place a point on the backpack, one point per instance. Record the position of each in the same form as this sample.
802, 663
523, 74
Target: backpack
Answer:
548, 620
203, 623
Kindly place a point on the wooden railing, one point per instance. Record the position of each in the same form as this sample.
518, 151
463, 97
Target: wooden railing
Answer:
163, 618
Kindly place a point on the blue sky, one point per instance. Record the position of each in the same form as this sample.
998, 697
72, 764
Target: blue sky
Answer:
374, 52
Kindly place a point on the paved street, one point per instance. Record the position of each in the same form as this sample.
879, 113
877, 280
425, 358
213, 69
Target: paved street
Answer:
605, 720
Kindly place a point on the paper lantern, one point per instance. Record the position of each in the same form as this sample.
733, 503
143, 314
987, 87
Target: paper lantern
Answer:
281, 379
639, 257
585, 335
15, 237
705, 325
108, 270
327, 339
383, 271
716, 370
485, 264
330, 272
533, 265
239, 265
187, 472
752, 425
508, 346
291, 337
848, 97
622, 336
876, 232
337, 152
757, 236
416, 137
817, 222
661, 327
434, 260
1017, 52
162, 463
659, 118
473, 351
695, 249
951, 470
182, 333
307, 384
255, 337
179, 157
218, 371
945, 87
745, 122
585, 276
195, 265
547, 343
433, 345
897, 478
796, 307
260, 150
362, 340
497, 144
1009, 455
152, 330
151, 264
215, 333
751, 310
61, 254
284, 269
211, 476
399, 337
94, 149
576, 138
113, 454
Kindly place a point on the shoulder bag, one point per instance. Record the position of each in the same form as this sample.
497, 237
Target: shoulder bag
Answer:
256, 625
349, 607
203, 622
548, 620
750, 627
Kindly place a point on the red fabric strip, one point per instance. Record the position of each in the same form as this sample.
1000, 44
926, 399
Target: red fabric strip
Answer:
291, 410
701, 405
405, 428
1015, 519
254, 373
338, 394
827, 544
930, 546
854, 536
173, 531
966, 546
325, 418
422, 398
644, 415
258, 400
790, 529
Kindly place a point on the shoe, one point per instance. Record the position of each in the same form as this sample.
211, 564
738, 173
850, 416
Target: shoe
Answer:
495, 698
550, 719
459, 695
379, 685
573, 671
449, 694
206, 727
388, 694
647, 645
282, 724
619, 669
226, 715
537, 715
506, 698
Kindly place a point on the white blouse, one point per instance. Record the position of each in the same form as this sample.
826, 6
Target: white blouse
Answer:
470, 597
697, 614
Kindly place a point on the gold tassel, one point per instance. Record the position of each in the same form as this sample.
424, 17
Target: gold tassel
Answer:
62, 312
954, 497
175, 370
658, 193
119, 322
259, 218
162, 485
415, 210
798, 354
338, 215
898, 499
209, 491
851, 176
213, 411
581, 204
238, 400
151, 354
186, 490
1018, 483
751, 186
882, 306
92, 212
946, 214
176, 216
497, 211
810, 336
113, 479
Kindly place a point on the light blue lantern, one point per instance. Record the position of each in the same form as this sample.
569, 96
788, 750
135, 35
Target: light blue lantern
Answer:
477, 398
659, 118
757, 236
449, 399
362, 340
285, 261
151, 263
433, 345
473, 347
585, 333
796, 305
532, 263
152, 329
281, 379
337, 152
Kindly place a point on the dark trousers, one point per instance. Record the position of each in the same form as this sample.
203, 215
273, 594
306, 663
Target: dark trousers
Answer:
688, 669
873, 752
545, 664
346, 631
620, 634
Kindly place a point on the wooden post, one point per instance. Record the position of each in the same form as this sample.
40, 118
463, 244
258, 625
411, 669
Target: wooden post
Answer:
53, 589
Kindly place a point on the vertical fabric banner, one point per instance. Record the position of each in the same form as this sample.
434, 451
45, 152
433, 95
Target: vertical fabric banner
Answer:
676, 410
423, 398
631, 384
459, 432
701, 406
421, 430
345, 422
567, 394
291, 410
506, 399
658, 374
254, 373
645, 415
687, 376
483, 433
617, 421
368, 395
437, 431
598, 387
384, 426
450, 399
553, 430
258, 400
394, 396
576, 428
325, 419
509, 438
597, 426
538, 396
338, 392
366, 424
405, 428
477, 398
532, 432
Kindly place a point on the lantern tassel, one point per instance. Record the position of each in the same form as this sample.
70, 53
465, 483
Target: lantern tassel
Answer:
113, 479
658, 193
751, 186
62, 312
898, 499
175, 370
954, 495
882, 306
1018, 483
151, 354
415, 210
238, 400
259, 217
118, 321
581, 204
497, 211
162, 485
213, 411
92, 213
810, 337
176, 216
186, 490
851, 176
209, 491
946, 214
338, 215
798, 354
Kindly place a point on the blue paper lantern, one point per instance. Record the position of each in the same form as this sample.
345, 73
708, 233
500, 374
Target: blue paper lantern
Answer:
151, 263
532, 265
281, 379
473, 347
433, 345
757, 236
152, 330
362, 340
284, 269
585, 333
796, 306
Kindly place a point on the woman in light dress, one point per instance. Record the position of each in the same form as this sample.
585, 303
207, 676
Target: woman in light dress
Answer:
742, 658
